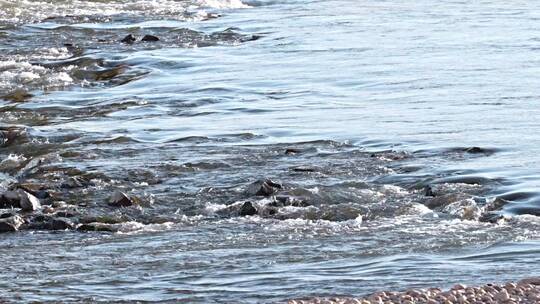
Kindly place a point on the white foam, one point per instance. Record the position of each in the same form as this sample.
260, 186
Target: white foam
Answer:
13, 161
18, 72
130, 227
222, 4
18, 11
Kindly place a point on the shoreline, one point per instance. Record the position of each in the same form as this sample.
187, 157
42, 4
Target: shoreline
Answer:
525, 291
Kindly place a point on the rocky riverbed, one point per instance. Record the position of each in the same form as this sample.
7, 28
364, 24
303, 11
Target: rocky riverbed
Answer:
526, 291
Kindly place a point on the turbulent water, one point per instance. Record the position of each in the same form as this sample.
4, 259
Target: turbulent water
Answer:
271, 149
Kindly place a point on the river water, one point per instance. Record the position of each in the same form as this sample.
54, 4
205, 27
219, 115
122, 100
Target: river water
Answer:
351, 108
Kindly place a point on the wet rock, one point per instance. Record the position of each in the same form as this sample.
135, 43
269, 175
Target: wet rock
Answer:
36, 190
59, 204
496, 204
18, 95
428, 191
150, 38
304, 169
282, 201
292, 151
129, 39
442, 201
66, 214
475, 150
120, 199
27, 201
49, 222
532, 281
264, 188
61, 224
74, 182
7, 227
6, 215
10, 134
491, 217
247, 209
104, 219
11, 224
10, 199
109, 74
96, 227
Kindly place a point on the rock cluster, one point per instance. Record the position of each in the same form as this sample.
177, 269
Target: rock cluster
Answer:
526, 291
36, 210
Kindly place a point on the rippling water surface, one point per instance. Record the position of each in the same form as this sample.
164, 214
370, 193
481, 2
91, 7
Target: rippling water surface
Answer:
275, 149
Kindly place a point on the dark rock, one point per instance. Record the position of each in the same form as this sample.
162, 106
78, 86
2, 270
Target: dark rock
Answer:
475, 150
304, 169
120, 199
10, 199
492, 217
497, 204
428, 191
11, 224
65, 214
36, 190
10, 134
6, 215
129, 39
18, 95
150, 38
71, 183
96, 227
61, 224
282, 201
292, 151
7, 227
264, 188
109, 74
28, 202
253, 38
441, 201
247, 209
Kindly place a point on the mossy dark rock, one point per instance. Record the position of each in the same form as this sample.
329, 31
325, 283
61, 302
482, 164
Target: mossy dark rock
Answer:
96, 227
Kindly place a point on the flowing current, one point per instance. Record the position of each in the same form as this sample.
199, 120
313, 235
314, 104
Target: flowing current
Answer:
269, 150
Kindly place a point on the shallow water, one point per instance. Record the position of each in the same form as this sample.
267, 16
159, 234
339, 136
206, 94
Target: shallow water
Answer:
353, 108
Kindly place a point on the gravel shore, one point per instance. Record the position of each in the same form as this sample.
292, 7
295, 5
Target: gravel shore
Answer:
524, 291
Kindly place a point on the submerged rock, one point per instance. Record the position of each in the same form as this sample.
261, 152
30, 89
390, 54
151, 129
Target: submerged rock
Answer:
292, 151
150, 38
18, 95
8, 135
265, 187
474, 150
247, 209
129, 39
